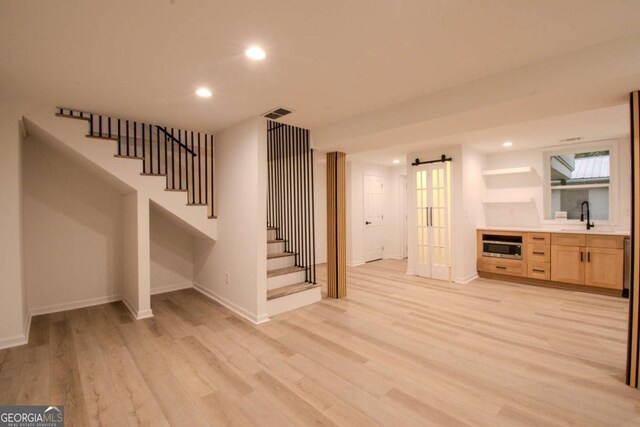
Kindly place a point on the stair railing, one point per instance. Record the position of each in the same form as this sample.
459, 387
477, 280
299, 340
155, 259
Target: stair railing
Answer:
185, 158
290, 204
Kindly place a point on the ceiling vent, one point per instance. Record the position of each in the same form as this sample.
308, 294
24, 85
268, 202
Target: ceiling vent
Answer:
275, 114
574, 139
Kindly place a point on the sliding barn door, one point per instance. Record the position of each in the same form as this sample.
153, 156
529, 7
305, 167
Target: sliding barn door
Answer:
432, 220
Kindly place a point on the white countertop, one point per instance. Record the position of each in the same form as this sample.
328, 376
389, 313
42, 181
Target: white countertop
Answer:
567, 230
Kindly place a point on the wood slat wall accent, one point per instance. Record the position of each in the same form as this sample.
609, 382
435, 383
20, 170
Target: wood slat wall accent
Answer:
634, 291
336, 226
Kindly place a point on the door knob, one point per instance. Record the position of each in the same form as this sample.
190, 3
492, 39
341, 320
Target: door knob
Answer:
367, 222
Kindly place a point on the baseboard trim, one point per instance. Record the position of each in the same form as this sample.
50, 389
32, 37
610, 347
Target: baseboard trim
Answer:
356, 264
137, 314
262, 318
466, 280
171, 288
14, 341
392, 257
74, 305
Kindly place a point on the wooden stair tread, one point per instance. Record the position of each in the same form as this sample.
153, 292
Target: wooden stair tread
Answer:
72, 117
290, 289
280, 255
271, 228
286, 270
111, 138
152, 174
276, 241
124, 156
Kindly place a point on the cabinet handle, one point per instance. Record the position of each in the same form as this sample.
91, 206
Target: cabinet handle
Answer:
538, 253
431, 219
538, 238
581, 256
588, 256
538, 271
500, 267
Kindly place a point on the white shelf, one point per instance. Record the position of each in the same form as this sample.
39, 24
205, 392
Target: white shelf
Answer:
510, 200
508, 171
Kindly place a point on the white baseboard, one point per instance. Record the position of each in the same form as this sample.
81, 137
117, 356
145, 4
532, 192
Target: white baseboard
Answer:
465, 280
74, 305
262, 318
356, 263
171, 288
14, 341
137, 314
392, 256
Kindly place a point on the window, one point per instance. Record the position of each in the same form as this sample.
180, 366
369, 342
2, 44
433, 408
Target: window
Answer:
577, 177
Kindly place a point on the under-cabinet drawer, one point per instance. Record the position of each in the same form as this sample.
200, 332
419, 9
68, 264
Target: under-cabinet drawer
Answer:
538, 253
539, 270
602, 241
497, 267
565, 239
539, 238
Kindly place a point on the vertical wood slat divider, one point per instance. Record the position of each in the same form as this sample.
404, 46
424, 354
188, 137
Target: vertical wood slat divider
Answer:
634, 286
336, 226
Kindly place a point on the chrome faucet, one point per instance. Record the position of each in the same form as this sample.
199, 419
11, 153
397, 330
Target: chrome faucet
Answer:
590, 224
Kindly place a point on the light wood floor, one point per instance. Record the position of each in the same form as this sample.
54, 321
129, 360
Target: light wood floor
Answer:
398, 351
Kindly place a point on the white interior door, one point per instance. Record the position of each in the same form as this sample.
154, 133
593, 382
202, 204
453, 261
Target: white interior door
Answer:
423, 254
373, 217
432, 220
439, 220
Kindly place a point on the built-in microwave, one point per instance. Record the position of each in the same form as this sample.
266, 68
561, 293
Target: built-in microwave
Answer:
498, 246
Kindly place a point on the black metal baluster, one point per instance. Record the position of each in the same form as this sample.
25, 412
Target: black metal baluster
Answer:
144, 157
299, 218
91, 124
199, 171
127, 131
280, 187
166, 159
135, 139
193, 173
179, 159
206, 170
119, 139
109, 126
150, 148
173, 164
308, 205
159, 151
213, 177
269, 183
99, 125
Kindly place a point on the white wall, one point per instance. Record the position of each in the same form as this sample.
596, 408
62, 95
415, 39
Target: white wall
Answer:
13, 297
530, 187
172, 253
72, 232
355, 210
241, 248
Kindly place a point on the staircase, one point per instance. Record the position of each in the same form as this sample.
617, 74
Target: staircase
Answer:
288, 285
182, 160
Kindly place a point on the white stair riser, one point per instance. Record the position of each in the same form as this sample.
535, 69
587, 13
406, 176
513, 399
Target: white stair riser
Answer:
274, 248
293, 301
271, 234
285, 279
282, 262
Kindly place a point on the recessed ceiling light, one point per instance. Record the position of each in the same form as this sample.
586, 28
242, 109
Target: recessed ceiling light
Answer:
396, 161
203, 92
507, 144
255, 53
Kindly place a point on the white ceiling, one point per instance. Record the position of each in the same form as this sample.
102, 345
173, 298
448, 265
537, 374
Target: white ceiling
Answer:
593, 125
328, 60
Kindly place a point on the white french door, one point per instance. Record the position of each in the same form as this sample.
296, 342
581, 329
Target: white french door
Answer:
432, 220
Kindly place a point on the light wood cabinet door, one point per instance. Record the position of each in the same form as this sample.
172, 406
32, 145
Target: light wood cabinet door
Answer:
604, 268
568, 264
